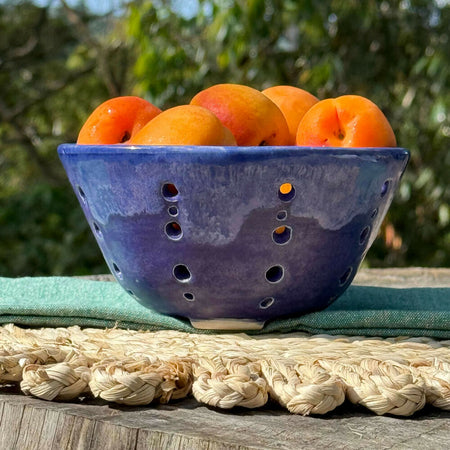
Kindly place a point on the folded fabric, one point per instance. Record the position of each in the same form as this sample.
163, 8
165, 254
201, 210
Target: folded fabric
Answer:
361, 310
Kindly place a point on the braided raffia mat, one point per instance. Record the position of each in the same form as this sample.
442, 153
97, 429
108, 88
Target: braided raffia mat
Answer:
305, 374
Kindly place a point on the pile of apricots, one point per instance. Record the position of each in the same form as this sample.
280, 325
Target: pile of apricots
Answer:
234, 114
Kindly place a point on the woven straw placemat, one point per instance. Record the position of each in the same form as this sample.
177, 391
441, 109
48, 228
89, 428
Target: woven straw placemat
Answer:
305, 374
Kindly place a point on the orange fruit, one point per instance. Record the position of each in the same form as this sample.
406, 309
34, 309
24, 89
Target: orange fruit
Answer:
251, 116
116, 120
346, 121
293, 103
184, 125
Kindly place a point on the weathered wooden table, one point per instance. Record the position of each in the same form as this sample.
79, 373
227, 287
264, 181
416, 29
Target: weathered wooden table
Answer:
30, 423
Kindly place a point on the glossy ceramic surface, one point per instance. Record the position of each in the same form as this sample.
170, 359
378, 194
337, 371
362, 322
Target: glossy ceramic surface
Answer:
195, 231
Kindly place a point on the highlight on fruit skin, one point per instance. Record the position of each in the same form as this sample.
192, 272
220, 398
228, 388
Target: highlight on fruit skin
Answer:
346, 121
184, 125
117, 120
251, 116
293, 103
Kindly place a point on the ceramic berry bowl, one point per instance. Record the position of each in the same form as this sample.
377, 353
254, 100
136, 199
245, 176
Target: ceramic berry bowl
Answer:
231, 237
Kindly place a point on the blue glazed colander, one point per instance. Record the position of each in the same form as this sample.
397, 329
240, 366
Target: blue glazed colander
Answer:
231, 237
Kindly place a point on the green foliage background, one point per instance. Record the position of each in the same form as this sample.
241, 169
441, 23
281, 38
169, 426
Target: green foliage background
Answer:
396, 53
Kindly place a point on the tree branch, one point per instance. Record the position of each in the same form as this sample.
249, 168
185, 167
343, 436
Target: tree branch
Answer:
31, 141
102, 56
8, 115
23, 51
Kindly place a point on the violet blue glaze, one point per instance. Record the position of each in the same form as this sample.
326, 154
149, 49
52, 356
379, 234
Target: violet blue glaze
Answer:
190, 231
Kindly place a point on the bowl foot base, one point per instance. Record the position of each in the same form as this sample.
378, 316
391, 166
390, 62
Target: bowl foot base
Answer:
226, 324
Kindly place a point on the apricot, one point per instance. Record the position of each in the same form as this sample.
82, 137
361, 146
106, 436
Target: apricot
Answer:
184, 125
116, 120
346, 121
285, 188
252, 117
293, 103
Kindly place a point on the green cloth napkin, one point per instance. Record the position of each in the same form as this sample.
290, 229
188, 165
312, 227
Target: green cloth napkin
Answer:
361, 310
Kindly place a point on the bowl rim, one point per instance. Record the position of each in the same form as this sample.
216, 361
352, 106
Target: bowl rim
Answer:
122, 149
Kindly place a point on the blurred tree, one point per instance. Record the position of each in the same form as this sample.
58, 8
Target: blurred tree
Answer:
58, 62
56, 65
396, 53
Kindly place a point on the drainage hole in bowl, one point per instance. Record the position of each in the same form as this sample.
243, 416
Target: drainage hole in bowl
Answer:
173, 231
282, 215
266, 303
189, 296
345, 276
385, 188
173, 211
363, 236
116, 269
97, 230
286, 192
374, 213
181, 273
274, 274
131, 292
282, 235
82, 194
169, 191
